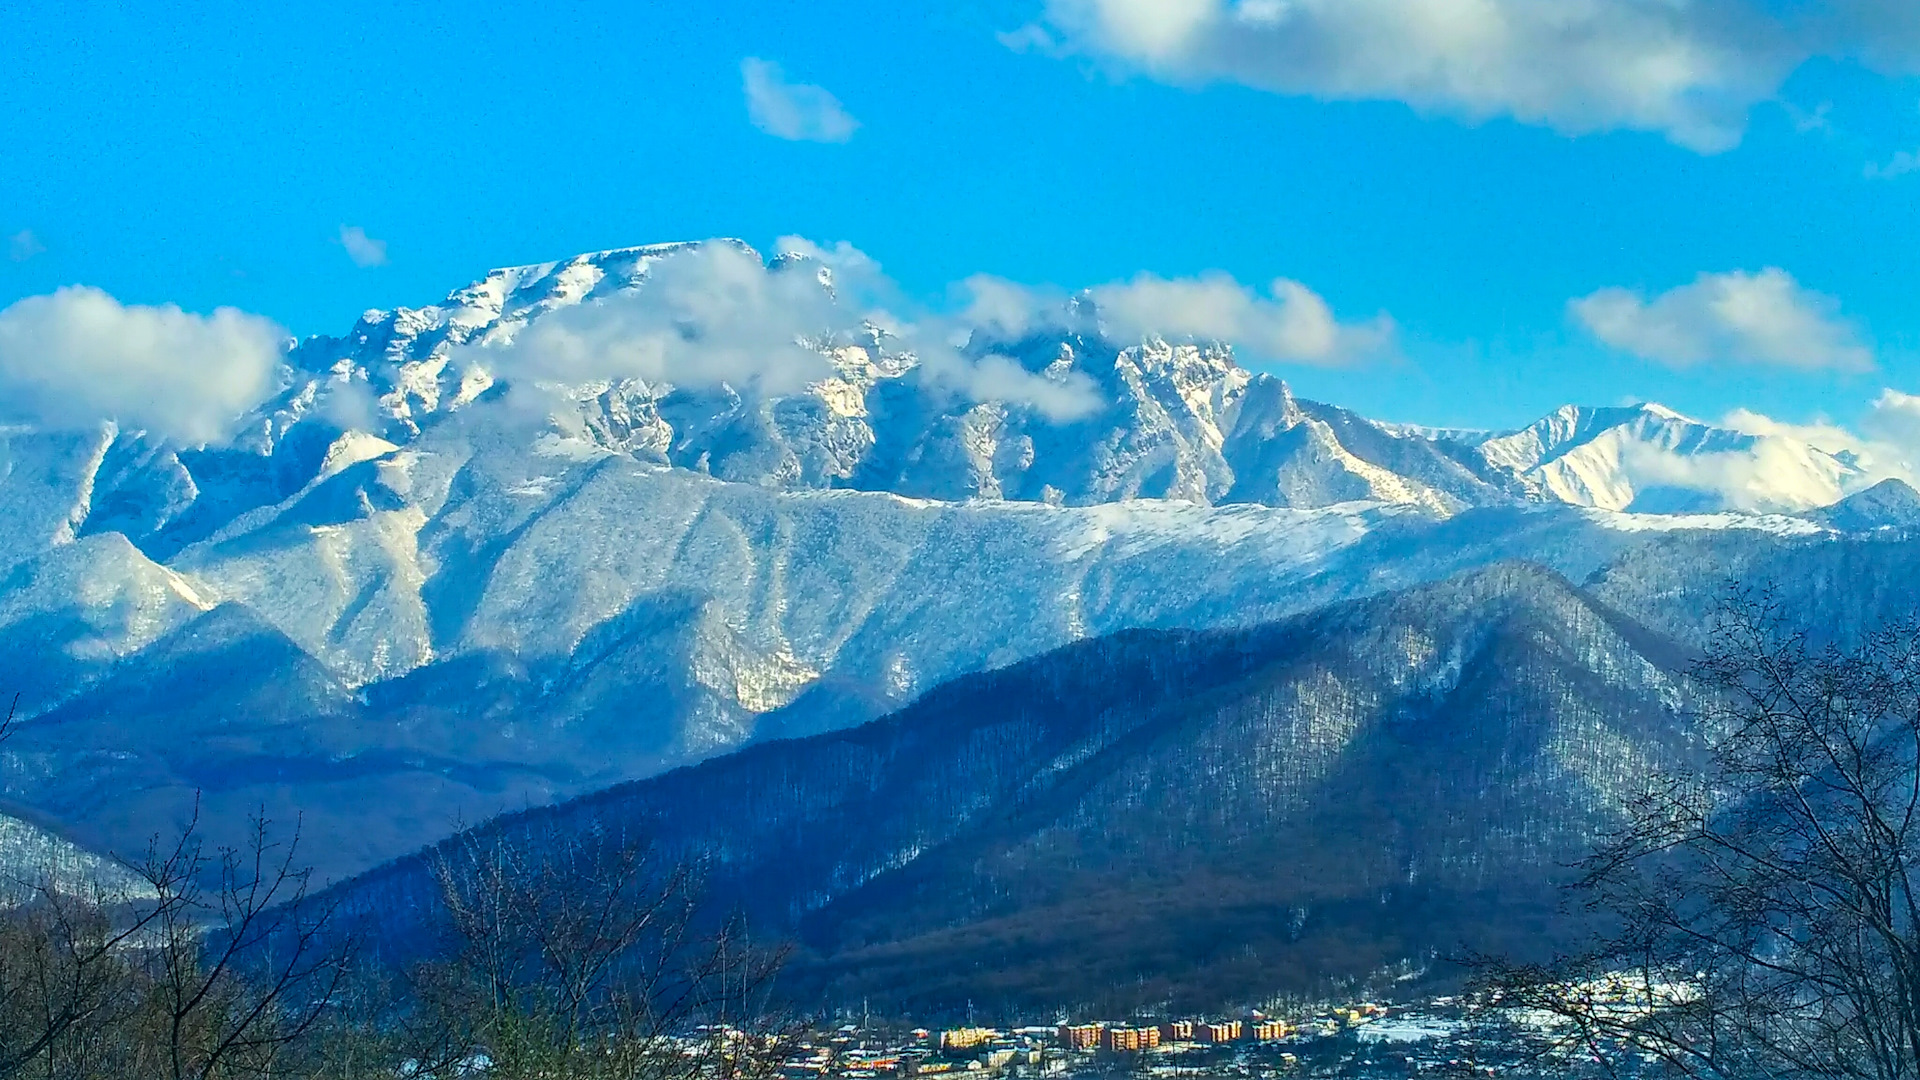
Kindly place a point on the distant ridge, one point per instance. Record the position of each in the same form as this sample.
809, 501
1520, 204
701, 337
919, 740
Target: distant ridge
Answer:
1889, 504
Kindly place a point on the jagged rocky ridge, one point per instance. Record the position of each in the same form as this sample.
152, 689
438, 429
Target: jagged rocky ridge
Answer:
1172, 816
400, 597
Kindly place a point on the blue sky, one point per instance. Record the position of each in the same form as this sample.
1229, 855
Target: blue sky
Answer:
211, 156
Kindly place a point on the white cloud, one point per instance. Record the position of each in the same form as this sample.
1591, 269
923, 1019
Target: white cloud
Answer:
1893, 421
994, 377
1900, 164
1820, 118
717, 315
364, 250
78, 356
1688, 69
24, 245
1775, 474
1789, 466
1821, 434
1883, 33
795, 111
1886, 445
1032, 38
843, 268
1292, 323
939, 341
1006, 310
704, 317
1737, 317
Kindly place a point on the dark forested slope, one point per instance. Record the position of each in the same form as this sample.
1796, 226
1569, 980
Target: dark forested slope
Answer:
1194, 816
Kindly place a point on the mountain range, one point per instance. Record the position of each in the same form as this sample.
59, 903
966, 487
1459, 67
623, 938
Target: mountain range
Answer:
1155, 817
421, 585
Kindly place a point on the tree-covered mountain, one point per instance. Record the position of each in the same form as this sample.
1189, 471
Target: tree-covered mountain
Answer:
1173, 815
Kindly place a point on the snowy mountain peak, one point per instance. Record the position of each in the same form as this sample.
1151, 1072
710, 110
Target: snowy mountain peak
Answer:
1152, 418
519, 292
1654, 408
1650, 459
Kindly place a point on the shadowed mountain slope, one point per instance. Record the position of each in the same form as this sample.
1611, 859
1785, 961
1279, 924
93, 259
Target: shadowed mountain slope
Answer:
1175, 815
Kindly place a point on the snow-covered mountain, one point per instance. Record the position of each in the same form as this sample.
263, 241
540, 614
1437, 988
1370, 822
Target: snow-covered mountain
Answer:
1647, 458
425, 583
35, 860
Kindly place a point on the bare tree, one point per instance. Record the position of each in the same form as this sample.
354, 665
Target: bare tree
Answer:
587, 956
242, 966
182, 965
1760, 908
63, 973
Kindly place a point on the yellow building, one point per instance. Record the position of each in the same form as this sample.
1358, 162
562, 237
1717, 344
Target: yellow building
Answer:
1080, 1036
1131, 1040
966, 1038
1224, 1032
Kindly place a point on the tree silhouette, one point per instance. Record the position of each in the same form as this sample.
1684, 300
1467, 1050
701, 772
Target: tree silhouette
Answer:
1759, 905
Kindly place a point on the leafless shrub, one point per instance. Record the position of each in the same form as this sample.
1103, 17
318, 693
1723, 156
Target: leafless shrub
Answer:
586, 957
171, 977
1760, 906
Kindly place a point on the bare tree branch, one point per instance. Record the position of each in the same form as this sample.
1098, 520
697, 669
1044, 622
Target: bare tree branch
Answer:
1764, 920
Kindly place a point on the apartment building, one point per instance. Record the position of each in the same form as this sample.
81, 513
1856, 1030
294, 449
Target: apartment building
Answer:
1132, 1040
1225, 1031
1080, 1036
